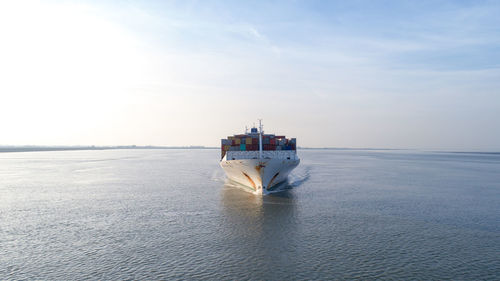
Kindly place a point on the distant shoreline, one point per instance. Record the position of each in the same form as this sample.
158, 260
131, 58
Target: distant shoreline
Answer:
35, 148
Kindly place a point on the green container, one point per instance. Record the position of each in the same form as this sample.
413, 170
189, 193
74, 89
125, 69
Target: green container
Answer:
243, 147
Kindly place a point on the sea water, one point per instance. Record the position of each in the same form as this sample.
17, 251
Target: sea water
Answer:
169, 214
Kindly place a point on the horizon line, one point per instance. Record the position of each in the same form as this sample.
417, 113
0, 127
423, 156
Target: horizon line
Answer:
40, 148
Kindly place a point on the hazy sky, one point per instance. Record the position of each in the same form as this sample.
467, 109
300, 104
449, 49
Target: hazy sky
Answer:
388, 74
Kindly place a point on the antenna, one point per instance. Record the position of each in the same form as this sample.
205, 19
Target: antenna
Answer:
246, 130
260, 138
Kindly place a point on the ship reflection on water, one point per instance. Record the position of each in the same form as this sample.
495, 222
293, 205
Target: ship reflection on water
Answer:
260, 226
239, 197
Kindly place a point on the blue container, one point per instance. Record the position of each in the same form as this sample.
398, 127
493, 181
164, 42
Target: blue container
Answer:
243, 147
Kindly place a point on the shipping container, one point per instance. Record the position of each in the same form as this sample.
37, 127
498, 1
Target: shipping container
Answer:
248, 141
237, 141
243, 147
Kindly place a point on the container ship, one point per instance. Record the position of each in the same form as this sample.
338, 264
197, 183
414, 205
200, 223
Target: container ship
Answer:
258, 161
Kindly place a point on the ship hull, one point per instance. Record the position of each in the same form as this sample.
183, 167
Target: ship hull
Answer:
260, 175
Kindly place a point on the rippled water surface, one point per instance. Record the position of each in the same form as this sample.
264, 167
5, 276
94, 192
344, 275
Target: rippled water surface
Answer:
167, 214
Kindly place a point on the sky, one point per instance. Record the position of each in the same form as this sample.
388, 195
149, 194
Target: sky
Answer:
379, 74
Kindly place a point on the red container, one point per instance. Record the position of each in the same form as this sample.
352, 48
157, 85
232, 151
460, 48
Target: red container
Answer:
273, 141
269, 147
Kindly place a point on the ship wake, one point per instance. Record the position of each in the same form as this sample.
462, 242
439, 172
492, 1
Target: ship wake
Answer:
218, 176
294, 180
299, 177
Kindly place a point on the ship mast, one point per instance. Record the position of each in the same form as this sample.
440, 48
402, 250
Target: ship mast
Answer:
260, 138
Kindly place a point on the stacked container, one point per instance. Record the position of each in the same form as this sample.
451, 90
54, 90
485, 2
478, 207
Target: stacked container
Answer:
250, 142
225, 146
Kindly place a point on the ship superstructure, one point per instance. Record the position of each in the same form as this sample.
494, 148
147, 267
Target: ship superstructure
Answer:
258, 161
